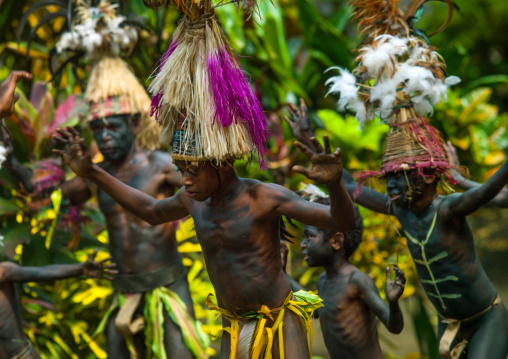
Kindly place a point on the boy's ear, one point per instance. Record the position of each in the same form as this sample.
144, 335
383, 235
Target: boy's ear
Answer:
337, 241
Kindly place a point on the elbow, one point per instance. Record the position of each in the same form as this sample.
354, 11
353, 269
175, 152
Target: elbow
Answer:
152, 220
395, 328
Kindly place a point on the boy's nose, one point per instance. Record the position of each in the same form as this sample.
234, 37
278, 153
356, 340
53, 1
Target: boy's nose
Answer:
186, 181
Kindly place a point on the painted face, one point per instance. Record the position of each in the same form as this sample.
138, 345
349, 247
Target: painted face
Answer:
115, 136
402, 188
200, 181
316, 247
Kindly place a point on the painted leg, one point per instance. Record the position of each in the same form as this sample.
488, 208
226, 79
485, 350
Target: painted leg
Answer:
225, 344
295, 338
490, 339
116, 346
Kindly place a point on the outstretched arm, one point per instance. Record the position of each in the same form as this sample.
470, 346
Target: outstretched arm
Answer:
500, 200
464, 204
147, 208
367, 197
301, 128
390, 314
94, 269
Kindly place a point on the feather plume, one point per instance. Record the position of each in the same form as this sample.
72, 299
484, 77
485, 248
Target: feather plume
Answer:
99, 31
312, 193
378, 17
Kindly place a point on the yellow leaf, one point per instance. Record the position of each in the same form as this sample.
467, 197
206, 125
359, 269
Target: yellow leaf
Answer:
189, 247
185, 230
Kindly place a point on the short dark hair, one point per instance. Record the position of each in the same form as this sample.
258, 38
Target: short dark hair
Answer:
353, 238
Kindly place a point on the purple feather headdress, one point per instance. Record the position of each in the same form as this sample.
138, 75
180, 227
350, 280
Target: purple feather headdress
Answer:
202, 99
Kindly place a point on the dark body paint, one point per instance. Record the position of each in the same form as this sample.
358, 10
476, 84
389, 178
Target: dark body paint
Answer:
136, 246
445, 256
349, 326
241, 235
351, 299
237, 224
447, 263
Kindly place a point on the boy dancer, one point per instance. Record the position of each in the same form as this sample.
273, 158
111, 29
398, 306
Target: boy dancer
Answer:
350, 297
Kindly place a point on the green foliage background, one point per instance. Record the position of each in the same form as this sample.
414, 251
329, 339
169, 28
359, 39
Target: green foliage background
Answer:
285, 52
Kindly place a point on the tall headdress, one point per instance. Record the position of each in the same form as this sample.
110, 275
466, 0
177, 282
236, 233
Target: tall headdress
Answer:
399, 77
201, 97
112, 89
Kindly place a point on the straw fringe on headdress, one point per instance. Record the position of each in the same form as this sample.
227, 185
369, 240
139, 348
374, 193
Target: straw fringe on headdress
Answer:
202, 99
112, 82
399, 77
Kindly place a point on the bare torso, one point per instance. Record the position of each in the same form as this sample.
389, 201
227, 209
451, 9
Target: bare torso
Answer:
240, 241
447, 263
349, 327
136, 246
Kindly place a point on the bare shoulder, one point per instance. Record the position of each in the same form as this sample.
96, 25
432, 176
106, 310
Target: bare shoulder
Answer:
361, 281
162, 159
271, 190
446, 204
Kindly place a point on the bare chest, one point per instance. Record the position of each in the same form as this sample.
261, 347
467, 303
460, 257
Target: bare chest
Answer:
228, 227
145, 178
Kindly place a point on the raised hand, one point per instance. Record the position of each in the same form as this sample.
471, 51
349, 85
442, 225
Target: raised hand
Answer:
7, 96
300, 125
394, 288
75, 155
326, 166
97, 269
